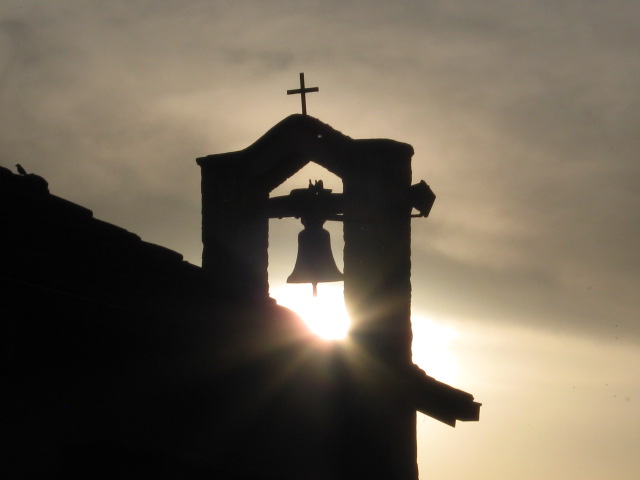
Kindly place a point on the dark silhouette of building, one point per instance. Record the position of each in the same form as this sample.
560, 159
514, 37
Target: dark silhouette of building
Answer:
121, 360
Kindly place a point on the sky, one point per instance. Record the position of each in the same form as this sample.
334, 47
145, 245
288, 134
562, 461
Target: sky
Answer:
524, 118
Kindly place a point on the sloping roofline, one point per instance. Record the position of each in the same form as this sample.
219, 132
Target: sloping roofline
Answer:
295, 141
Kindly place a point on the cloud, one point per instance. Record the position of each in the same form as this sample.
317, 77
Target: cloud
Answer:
523, 118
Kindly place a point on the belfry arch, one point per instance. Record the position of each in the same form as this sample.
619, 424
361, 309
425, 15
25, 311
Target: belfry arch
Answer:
296, 257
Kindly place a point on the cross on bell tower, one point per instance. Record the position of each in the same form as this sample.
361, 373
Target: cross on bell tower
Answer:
303, 91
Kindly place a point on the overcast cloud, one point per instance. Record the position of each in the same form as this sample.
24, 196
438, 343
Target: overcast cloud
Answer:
524, 118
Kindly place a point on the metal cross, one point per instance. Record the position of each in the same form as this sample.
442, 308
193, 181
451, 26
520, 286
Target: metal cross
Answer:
303, 91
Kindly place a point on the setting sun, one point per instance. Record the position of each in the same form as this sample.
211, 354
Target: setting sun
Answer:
325, 315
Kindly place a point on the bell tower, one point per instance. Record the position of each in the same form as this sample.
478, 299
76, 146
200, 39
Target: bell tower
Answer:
376, 204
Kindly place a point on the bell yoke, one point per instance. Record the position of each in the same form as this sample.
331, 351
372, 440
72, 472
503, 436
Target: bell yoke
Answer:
313, 205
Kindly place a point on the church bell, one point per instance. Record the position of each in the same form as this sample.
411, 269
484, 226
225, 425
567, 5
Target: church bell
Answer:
315, 263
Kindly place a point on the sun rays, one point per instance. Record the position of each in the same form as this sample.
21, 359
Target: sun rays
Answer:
325, 315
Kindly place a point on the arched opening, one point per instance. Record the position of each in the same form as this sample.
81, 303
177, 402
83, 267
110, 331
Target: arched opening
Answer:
325, 315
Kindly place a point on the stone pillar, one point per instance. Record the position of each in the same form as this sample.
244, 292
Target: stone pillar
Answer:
235, 229
377, 256
377, 268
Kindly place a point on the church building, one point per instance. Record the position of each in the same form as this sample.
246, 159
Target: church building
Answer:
120, 360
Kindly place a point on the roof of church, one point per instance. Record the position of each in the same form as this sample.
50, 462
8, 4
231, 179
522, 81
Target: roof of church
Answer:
56, 244
441, 401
